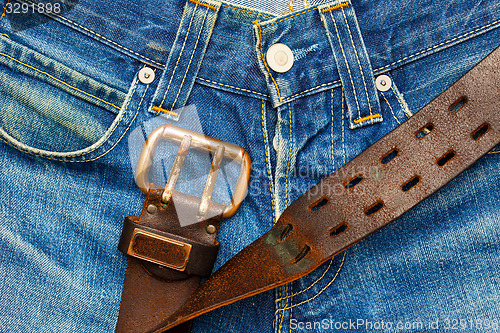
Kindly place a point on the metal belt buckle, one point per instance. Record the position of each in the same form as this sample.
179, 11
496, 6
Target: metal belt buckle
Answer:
188, 139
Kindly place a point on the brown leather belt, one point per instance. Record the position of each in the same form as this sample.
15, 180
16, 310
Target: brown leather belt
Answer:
394, 174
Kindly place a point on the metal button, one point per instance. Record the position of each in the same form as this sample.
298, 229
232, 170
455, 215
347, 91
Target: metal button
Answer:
146, 75
280, 58
275, 142
383, 83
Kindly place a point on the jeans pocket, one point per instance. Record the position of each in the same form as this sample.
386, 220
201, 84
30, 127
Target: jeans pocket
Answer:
49, 109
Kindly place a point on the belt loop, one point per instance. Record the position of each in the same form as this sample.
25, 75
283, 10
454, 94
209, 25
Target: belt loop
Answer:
353, 64
185, 57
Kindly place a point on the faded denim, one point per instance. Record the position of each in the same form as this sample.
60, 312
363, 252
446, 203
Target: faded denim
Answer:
70, 97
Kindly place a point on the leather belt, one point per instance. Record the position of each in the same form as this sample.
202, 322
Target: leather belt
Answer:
172, 245
406, 166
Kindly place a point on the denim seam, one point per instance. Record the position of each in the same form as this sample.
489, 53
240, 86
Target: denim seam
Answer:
390, 107
312, 284
247, 11
179, 58
264, 60
4, 10
229, 86
359, 63
310, 89
190, 60
289, 17
439, 45
343, 125
401, 102
348, 68
59, 80
326, 10
100, 36
291, 307
331, 133
325, 287
289, 154
95, 148
203, 4
268, 164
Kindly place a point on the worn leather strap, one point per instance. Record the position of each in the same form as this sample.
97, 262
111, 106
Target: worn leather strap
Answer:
152, 292
394, 174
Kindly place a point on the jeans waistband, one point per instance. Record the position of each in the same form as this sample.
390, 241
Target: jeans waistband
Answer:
223, 45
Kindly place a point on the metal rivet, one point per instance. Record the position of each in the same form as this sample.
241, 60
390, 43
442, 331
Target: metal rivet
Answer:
383, 83
151, 209
146, 75
211, 229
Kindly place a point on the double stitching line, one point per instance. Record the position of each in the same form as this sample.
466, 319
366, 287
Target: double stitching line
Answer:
348, 69
247, 11
4, 10
180, 54
264, 60
289, 155
105, 140
268, 164
102, 37
58, 80
357, 59
228, 86
390, 107
333, 156
323, 289
190, 60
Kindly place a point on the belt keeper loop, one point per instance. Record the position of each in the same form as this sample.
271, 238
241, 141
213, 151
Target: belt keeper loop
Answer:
353, 63
186, 55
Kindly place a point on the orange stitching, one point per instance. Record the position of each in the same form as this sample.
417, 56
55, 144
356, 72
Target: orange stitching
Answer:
322, 290
159, 109
264, 60
203, 4
359, 63
289, 17
494, 152
178, 58
247, 11
60, 81
4, 9
360, 120
347, 65
268, 168
15, 146
326, 10
102, 37
190, 60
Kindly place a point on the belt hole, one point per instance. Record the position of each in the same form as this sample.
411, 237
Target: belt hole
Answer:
477, 134
424, 131
305, 250
446, 158
411, 183
389, 156
339, 229
284, 234
318, 204
374, 208
353, 182
458, 104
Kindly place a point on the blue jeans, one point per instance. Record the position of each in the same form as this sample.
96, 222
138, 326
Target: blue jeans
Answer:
70, 97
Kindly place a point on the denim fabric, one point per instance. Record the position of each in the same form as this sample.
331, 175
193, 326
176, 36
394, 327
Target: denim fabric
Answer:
70, 98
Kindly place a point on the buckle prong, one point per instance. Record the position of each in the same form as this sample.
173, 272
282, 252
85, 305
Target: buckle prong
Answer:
176, 168
212, 177
190, 139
